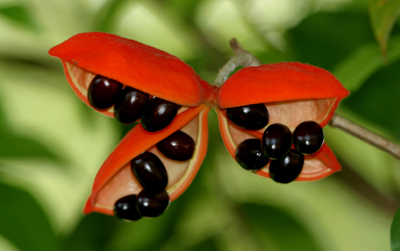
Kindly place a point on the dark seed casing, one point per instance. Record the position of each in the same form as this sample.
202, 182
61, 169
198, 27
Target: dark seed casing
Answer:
103, 92
308, 137
125, 208
286, 169
249, 156
276, 141
177, 146
158, 114
130, 105
251, 117
150, 172
152, 204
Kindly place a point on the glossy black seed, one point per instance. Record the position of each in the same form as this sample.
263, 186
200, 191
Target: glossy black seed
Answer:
248, 154
103, 92
308, 137
130, 105
286, 169
251, 117
125, 208
158, 114
152, 204
177, 146
276, 141
150, 172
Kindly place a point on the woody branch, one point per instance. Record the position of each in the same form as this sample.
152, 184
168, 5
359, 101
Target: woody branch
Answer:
245, 58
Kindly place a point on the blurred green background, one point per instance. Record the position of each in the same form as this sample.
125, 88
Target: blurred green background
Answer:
51, 144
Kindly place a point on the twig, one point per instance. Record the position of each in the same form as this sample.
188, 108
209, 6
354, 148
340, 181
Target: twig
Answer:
366, 135
245, 58
241, 58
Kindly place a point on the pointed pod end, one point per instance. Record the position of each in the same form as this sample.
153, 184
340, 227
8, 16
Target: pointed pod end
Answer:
88, 207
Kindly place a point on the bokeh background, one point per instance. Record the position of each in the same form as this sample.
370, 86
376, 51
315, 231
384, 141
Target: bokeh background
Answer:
51, 144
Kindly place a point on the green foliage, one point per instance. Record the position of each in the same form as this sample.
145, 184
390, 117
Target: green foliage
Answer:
20, 15
395, 232
45, 128
379, 104
383, 14
23, 221
284, 233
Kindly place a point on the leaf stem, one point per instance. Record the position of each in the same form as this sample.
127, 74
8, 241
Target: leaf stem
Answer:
245, 58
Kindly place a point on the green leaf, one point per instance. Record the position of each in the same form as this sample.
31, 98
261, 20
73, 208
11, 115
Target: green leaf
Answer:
355, 69
209, 245
186, 10
105, 17
395, 232
12, 145
95, 230
20, 15
278, 229
324, 39
23, 222
378, 99
383, 14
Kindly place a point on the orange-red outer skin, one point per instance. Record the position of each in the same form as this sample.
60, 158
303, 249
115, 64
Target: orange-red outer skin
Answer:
137, 141
281, 82
135, 64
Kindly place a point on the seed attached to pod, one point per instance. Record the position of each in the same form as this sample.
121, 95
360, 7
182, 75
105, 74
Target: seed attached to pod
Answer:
248, 154
276, 141
308, 137
177, 146
251, 117
158, 114
286, 169
150, 172
130, 105
125, 208
103, 92
152, 204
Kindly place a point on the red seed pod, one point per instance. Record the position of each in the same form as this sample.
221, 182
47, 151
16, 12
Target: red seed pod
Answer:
115, 178
292, 93
131, 63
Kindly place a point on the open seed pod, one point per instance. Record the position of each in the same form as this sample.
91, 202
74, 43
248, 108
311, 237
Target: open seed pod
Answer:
115, 178
157, 160
129, 63
292, 93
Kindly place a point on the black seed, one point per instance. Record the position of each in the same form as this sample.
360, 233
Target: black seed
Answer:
158, 114
150, 172
286, 169
177, 146
103, 92
251, 117
152, 204
308, 137
125, 208
130, 105
248, 154
276, 141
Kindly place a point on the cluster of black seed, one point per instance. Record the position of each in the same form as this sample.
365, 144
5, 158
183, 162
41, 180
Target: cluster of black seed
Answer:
131, 104
276, 144
150, 172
